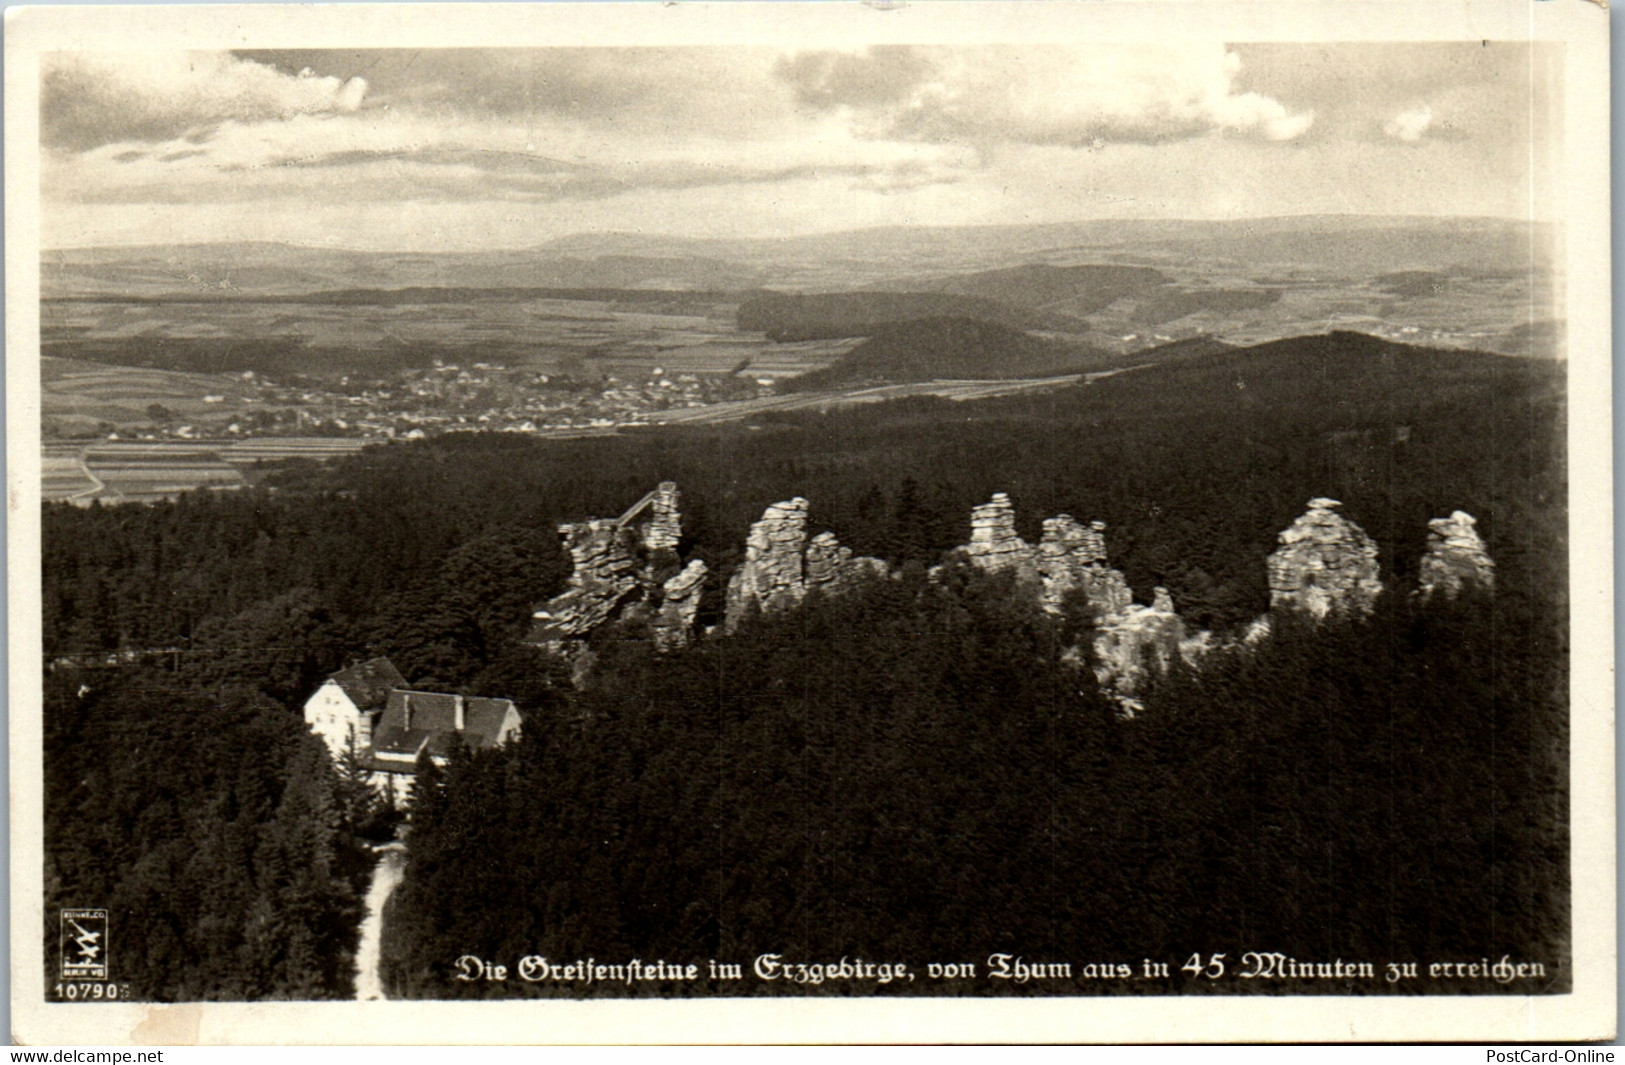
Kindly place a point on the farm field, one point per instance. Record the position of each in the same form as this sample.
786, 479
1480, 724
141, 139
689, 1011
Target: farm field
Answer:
144, 472
77, 395
323, 339
951, 390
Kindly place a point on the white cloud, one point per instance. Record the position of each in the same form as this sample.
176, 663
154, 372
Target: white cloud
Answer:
1410, 125
406, 155
92, 98
1055, 96
590, 123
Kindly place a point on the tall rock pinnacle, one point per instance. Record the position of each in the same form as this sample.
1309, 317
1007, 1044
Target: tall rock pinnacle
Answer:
770, 577
781, 566
673, 624
994, 543
616, 572
1455, 557
1072, 556
1326, 564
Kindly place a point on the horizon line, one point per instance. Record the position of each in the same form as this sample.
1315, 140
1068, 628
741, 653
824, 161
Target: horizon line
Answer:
815, 234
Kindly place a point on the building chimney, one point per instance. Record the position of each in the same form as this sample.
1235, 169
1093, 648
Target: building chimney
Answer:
457, 713
406, 697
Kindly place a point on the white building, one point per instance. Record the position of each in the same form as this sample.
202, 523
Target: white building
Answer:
347, 706
370, 709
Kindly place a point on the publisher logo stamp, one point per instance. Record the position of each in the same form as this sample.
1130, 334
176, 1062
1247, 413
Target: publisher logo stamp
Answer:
84, 945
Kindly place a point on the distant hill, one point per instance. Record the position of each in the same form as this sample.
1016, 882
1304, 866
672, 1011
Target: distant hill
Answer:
1076, 291
954, 348
1073, 289
1366, 244
1192, 348
785, 317
654, 298
1373, 372
266, 269
1540, 339
1341, 244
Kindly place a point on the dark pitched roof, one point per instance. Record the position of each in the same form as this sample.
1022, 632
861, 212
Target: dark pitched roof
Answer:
434, 720
368, 685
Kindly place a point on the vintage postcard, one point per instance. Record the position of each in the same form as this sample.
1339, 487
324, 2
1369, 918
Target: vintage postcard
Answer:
736, 522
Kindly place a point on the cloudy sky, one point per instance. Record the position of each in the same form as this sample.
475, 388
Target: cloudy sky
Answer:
452, 148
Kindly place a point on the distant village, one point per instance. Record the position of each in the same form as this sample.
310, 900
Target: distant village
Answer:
445, 397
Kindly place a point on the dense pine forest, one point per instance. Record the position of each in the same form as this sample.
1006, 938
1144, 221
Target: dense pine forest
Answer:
912, 774
911, 769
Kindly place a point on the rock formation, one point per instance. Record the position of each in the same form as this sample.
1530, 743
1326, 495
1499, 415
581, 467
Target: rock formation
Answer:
1130, 639
1072, 557
1325, 565
832, 567
665, 526
1455, 557
605, 575
781, 566
673, 624
1134, 642
770, 577
615, 563
824, 557
994, 544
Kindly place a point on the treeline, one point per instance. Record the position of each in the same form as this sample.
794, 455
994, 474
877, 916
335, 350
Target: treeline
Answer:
815, 316
1195, 466
913, 772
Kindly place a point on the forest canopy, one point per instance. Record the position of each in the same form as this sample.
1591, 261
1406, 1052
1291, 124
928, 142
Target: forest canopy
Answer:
867, 772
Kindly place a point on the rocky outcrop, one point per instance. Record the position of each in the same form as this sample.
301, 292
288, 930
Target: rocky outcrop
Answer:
604, 577
781, 566
1455, 558
825, 556
664, 527
673, 624
616, 567
770, 578
1325, 565
1072, 557
1136, 642
831, 566
994, 543
1131, 640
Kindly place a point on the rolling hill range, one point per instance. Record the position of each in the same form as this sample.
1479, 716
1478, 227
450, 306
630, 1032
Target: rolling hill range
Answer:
790, 317
951, 348
1077, 290
908, 258
264, 269
1337, 243
614, 302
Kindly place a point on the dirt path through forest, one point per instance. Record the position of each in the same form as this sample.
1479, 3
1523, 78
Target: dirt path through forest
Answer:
369, 985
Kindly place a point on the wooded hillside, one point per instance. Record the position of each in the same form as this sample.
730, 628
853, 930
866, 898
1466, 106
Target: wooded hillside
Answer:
833, 775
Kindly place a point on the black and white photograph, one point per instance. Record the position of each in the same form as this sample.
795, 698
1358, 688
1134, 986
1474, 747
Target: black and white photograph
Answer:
937, 522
